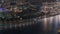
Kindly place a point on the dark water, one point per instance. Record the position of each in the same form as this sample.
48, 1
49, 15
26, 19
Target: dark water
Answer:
33, 29
42, 26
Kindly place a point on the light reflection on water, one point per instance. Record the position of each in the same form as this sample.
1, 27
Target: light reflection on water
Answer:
45, 23
51, 23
